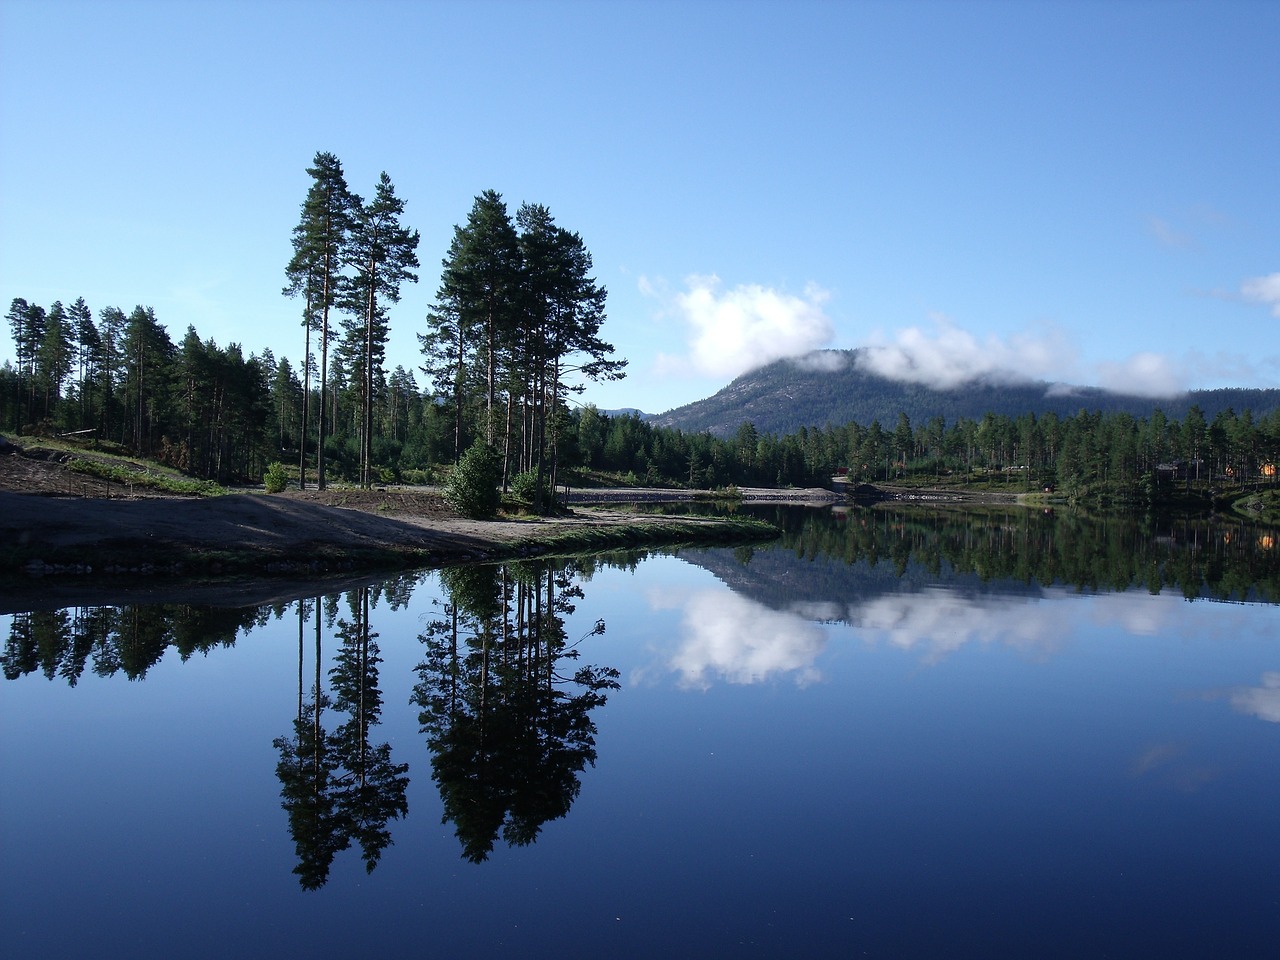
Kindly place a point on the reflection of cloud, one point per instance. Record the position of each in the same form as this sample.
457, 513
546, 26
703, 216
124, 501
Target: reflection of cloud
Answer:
742, 641
1141, 614
939, 621
1262, 702
942, 621
1155, 757
1165, 762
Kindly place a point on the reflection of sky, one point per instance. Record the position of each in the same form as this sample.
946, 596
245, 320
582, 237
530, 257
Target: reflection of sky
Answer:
1262, 702
729, 637
938, 622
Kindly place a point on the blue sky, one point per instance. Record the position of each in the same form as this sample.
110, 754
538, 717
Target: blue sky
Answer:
1074, 191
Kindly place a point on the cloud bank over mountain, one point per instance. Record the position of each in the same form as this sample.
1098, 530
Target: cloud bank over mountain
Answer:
730, 331
948, 356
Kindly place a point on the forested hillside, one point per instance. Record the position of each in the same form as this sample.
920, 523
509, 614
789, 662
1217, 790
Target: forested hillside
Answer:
830, 389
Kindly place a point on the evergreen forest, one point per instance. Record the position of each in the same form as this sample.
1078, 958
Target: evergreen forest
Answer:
512, 337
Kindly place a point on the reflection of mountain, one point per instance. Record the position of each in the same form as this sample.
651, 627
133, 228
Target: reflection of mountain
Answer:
822, 587
824, 557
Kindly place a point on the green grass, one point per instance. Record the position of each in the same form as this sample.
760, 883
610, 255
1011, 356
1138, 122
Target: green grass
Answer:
147, 477
108, 461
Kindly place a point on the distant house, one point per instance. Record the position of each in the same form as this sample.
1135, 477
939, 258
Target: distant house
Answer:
1179, 471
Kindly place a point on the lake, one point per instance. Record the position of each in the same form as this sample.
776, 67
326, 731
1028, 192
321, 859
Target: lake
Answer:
894, 732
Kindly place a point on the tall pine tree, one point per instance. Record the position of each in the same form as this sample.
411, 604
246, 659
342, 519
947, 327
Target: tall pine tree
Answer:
382, 255
314, 273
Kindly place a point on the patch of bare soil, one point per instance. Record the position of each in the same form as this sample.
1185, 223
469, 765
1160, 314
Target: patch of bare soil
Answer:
52, 524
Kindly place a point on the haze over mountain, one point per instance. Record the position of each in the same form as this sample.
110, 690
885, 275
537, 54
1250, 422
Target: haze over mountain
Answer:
832, 387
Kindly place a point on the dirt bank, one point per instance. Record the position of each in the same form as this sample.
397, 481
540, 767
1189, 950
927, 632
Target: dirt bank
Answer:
52, 533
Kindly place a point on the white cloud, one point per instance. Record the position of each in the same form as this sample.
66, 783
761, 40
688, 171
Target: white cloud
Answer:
948, 357
1144, 375
1264, 290
733, 331
1167, 235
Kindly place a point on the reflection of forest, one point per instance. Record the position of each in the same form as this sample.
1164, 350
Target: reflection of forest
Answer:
129, 640
508, 725
509, 733
825, 555
336, 786
132, 639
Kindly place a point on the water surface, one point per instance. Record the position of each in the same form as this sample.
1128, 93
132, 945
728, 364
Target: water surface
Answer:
892, 733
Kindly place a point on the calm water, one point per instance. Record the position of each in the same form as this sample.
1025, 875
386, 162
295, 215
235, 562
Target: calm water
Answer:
890, 734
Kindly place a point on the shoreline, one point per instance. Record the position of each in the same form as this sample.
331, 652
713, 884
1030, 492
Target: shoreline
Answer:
60, 551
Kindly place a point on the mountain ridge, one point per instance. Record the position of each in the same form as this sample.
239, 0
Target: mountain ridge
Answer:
829, 388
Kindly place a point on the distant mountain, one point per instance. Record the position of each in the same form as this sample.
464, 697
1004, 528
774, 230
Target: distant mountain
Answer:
827, 388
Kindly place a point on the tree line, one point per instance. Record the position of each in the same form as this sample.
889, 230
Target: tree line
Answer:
219, 414
513, 334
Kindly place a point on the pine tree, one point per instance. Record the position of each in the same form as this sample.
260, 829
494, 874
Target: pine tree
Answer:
88, 354
314, 272
110, 371
564, 309
476, 311
382, 255
27, 322
148, 355
54, 357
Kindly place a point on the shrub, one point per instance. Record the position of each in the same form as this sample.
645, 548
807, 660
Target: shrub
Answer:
524, 487
472, 489
276, 478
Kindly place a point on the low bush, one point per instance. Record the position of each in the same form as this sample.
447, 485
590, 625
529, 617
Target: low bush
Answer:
472, 488
276, 478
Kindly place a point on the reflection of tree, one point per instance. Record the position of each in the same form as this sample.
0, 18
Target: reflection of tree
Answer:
336, 786
129, 640
1197, 556
509, 734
